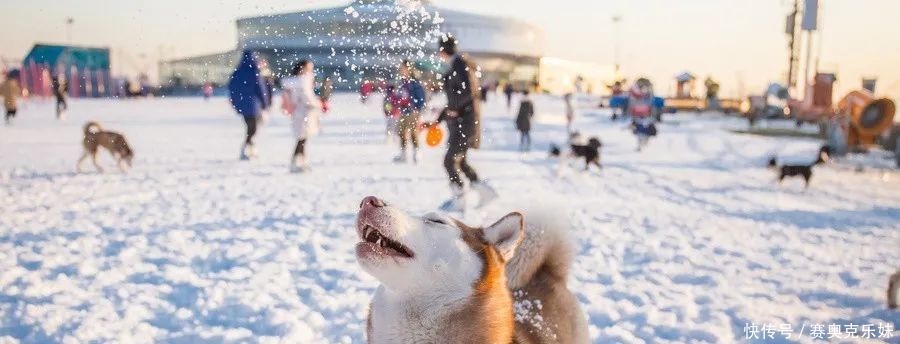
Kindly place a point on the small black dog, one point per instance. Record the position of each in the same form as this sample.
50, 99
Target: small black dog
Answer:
589, 152
800, 170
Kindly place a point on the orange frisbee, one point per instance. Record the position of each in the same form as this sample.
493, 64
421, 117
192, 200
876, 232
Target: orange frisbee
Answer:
434, 136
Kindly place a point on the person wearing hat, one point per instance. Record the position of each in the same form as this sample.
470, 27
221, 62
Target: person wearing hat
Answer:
463, 119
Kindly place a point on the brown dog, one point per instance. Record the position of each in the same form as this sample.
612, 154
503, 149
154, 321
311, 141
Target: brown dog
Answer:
95, 137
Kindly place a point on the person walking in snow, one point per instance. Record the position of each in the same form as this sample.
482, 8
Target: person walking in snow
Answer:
365, 89
411, 102
300, 102
570, 113
463, 119
248, 94
641, 109
391, 109
207, 90
60, 91
508, 91
325, 94
11, 92
523, 121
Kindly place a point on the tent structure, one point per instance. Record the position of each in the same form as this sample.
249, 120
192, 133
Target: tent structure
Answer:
87, 69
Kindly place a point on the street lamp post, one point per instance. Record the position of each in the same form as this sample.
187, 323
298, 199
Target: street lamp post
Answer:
69, 22
616, 20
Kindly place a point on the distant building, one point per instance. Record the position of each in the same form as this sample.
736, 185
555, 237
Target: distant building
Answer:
86, 69
366, 39
198, 70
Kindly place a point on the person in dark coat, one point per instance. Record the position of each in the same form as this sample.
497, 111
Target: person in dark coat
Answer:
508, 90
249, 97
325, 93
523, 122
60, 90
463, 118
269, 82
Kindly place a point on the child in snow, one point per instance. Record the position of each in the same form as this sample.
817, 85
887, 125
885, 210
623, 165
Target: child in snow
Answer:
523, 121
641, 108
411, 103
392, 107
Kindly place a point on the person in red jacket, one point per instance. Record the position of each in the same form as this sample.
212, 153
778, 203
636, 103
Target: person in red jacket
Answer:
365, 90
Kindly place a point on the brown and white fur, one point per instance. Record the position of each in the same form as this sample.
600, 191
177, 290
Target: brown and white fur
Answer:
95, 137
445, 282
893, 289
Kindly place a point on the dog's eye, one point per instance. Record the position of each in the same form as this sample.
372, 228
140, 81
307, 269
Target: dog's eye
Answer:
438, 221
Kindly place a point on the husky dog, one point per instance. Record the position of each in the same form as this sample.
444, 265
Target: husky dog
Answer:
95, 137
804, 171
445, 282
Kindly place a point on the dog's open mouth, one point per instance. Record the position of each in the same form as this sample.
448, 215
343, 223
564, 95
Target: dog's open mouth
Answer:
376, 242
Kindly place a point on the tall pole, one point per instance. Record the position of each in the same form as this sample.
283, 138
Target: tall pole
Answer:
791, 26
809, 53
810, 25
69, 22
617, 19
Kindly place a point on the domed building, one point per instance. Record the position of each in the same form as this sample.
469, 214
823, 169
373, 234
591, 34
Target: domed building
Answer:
366, 39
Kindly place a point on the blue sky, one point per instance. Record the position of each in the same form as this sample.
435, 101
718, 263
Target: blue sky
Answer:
739, 42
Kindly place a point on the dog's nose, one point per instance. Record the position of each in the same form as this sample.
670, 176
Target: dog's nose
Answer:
372, 201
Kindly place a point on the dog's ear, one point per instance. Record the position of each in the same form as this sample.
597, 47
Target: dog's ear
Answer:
506, 234
824, 156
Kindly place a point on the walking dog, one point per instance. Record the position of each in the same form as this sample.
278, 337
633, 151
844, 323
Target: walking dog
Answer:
804, 171
590, 151
95, 137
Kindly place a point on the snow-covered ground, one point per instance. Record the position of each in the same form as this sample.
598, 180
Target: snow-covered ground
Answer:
686, 241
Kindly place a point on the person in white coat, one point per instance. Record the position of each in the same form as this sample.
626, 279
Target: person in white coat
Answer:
301, 103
